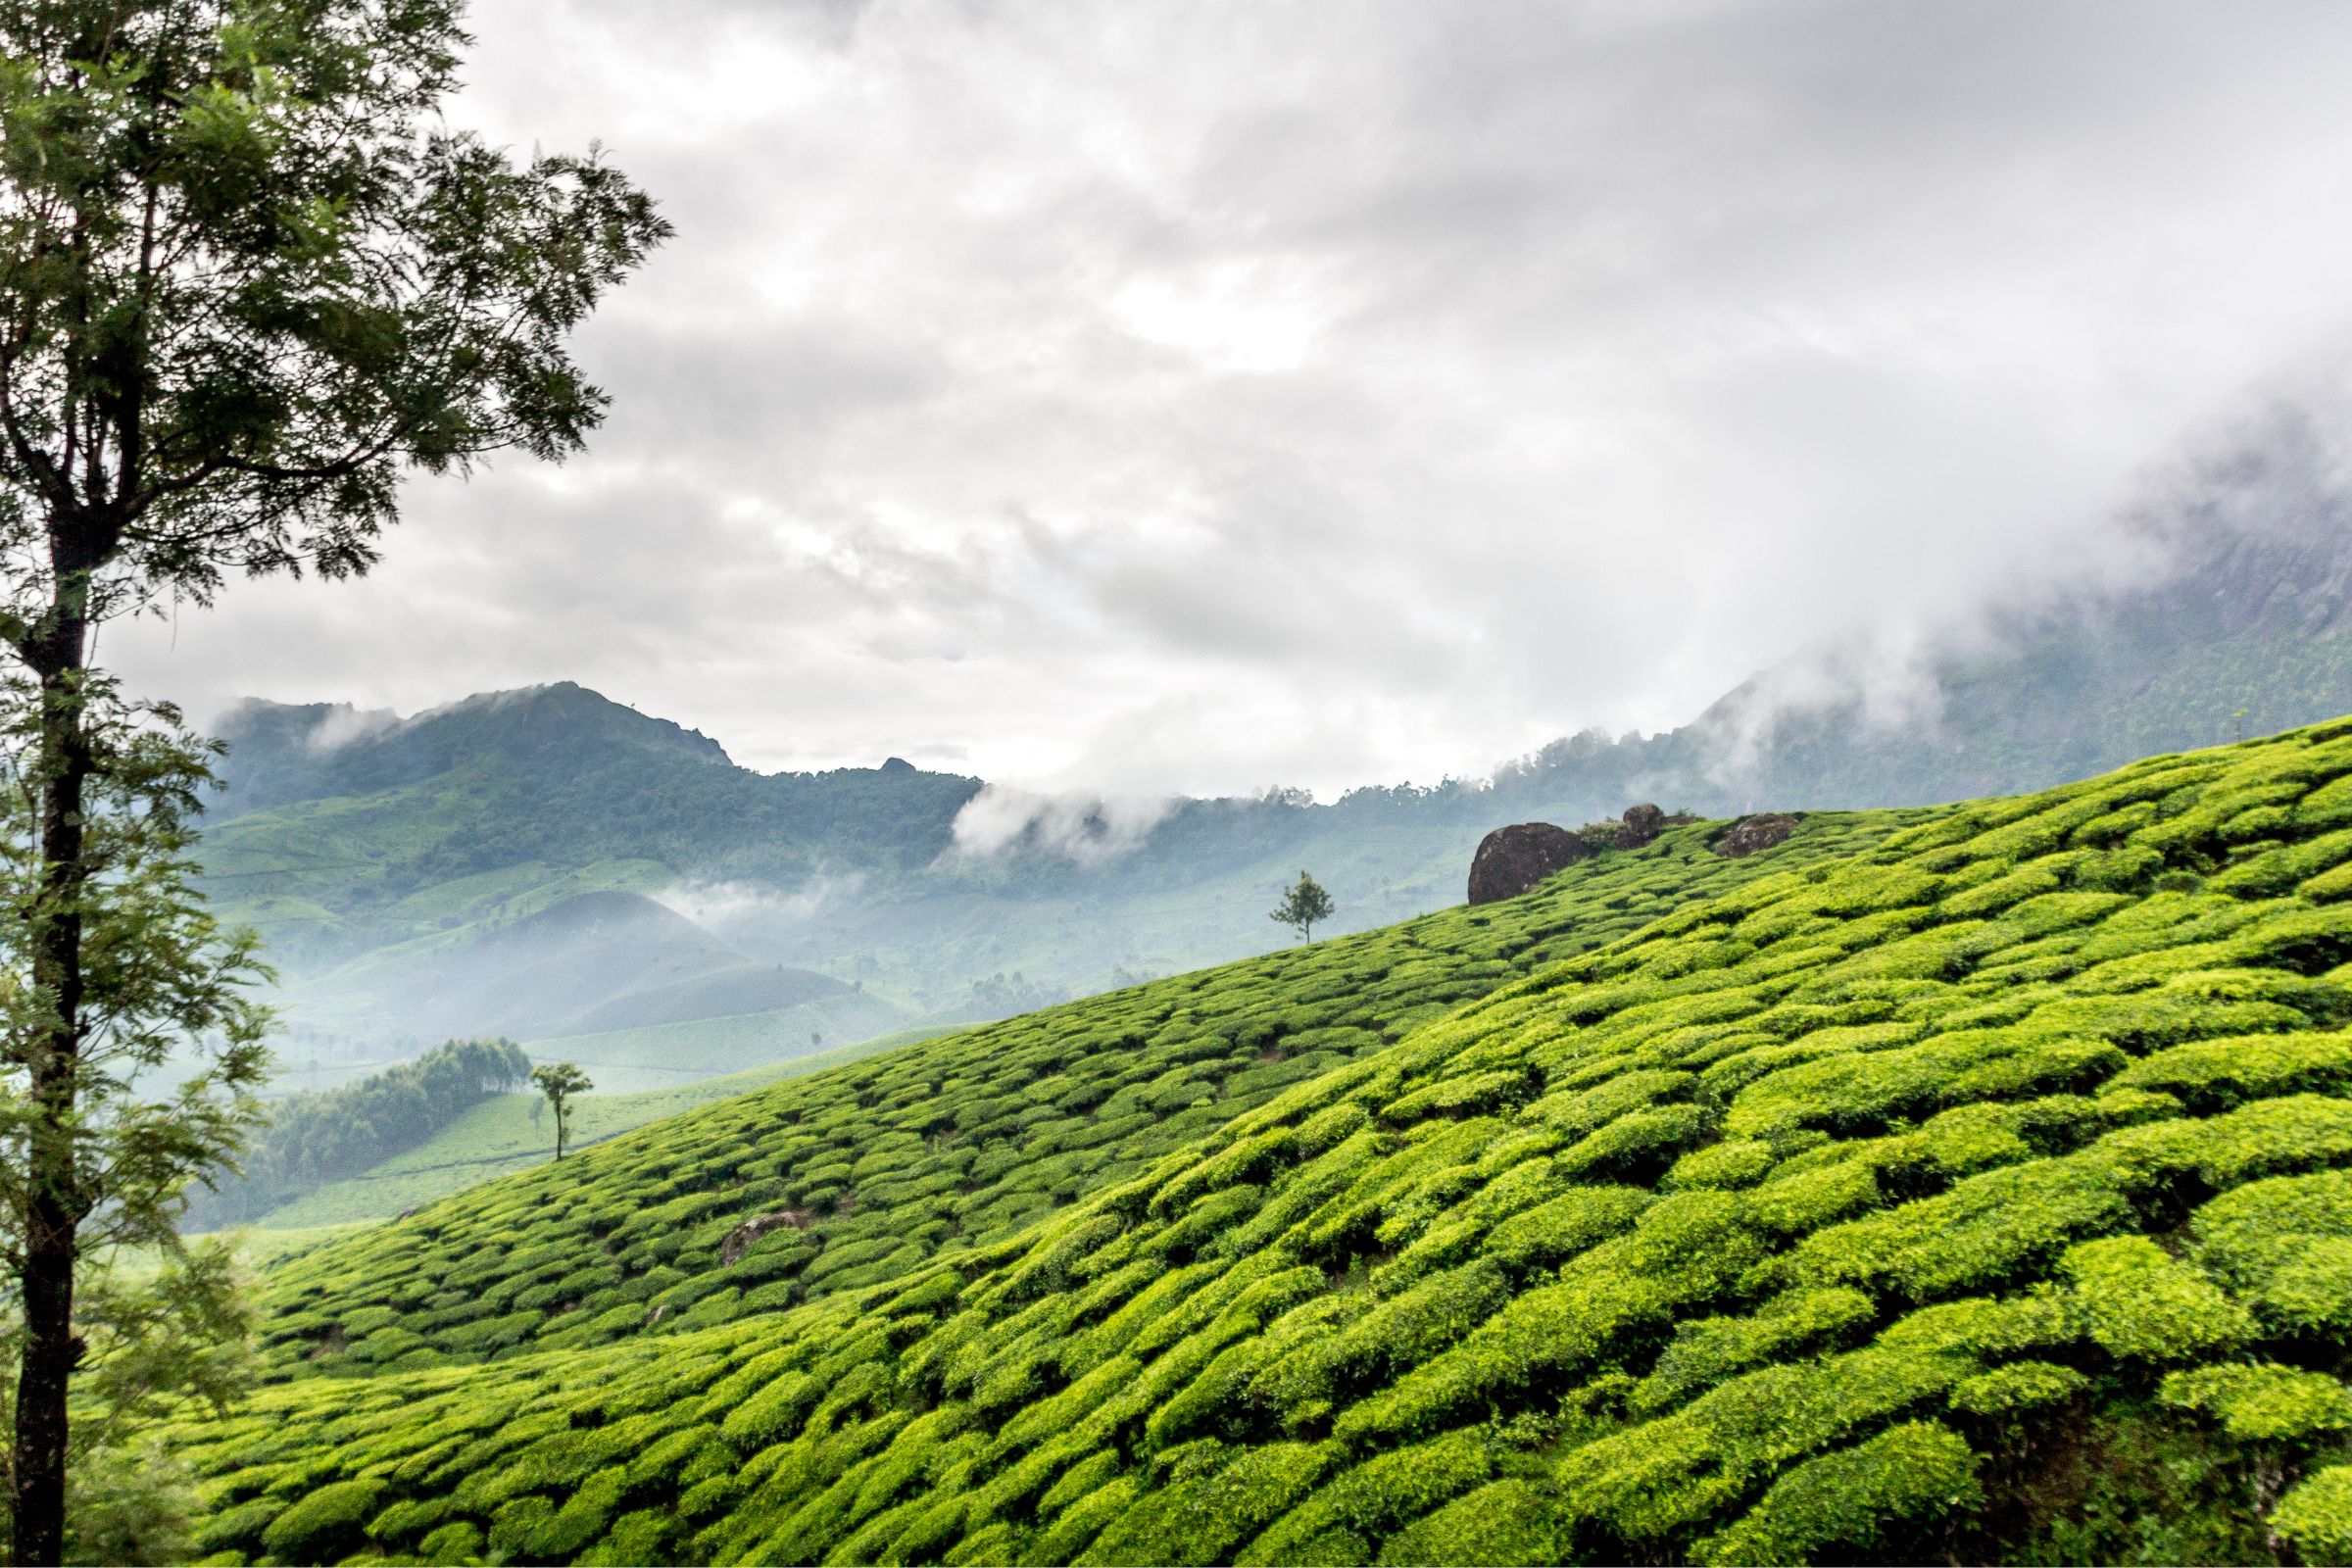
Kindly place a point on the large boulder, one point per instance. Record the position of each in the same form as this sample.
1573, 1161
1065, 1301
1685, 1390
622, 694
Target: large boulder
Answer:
1642, 823
1511, 860
1753, 833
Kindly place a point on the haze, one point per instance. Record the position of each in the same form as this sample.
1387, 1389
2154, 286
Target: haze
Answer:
1200, 396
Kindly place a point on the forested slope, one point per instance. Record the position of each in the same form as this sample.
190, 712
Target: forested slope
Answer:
884, 1162
1982, 1194
333, 1134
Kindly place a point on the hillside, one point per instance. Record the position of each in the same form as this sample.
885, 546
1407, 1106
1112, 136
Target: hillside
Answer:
959, 1141
1977, 1191
370, 849
2224, 610
585, 964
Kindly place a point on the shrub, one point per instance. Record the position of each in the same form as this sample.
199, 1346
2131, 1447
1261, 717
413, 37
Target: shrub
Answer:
2263, 1402
1705, 1351
324, 1524
2137, 1301
1377, 1495
1909, 1475
1505, 1522
2317, 1515
2018, 1387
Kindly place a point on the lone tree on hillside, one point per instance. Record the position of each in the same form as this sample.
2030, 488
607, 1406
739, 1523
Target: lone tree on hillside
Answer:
248, 280
1304, 904
558, 1081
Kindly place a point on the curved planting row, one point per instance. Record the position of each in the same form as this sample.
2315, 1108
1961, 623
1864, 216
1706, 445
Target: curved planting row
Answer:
866, 1172
1987, 1194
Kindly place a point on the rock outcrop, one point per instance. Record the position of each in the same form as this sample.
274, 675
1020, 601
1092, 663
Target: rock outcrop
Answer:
1753, 833
1642, 825
1511, 860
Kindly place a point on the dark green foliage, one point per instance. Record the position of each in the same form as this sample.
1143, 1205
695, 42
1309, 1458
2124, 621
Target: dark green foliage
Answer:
558, 1081
332, 1132
324, 1524
1305, 906
1847, 1213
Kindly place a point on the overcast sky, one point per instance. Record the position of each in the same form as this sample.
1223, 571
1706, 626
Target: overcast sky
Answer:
1202, 396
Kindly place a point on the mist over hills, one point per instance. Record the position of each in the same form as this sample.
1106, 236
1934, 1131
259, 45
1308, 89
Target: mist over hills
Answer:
411, 874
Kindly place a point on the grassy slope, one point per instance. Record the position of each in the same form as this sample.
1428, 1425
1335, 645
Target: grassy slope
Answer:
968, 1140
502, 1136
931, 943
1984, 1193
666, 1055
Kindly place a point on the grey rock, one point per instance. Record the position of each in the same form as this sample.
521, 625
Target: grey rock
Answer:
1511, 860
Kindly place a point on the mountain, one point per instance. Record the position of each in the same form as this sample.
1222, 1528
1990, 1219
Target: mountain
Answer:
357, 841
1966, 1183
554, 775
278, 753
2240, 624
2219, 609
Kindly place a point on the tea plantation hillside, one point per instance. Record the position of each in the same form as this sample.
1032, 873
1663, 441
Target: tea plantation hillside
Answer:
1984, 1194
876, 1166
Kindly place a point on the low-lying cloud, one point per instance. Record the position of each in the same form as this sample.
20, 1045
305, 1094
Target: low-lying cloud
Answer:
726, 906
2276, 465
1088, 830
341, 725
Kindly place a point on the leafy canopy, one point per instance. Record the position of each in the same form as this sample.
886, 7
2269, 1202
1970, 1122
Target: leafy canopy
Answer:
163, 986
247, 276
168, 1055
1304, 907
558, 1081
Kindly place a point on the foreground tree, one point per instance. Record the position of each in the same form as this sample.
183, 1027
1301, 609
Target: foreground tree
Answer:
160, 1345
158, 985
247, 280
558, 1081
1304, 907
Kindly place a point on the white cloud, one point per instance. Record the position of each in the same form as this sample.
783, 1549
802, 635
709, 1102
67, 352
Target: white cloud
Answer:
1088, 829
1180, 396
338, 727
725, 906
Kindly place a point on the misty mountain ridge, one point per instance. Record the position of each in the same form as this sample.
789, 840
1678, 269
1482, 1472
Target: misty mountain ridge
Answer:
392, 863
280, 752
2217, 607
585, 964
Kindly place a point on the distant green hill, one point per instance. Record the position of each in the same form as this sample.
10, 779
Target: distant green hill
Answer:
393, 865
1969, 1185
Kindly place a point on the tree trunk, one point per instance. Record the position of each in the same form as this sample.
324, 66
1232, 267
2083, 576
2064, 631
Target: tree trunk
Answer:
58, 652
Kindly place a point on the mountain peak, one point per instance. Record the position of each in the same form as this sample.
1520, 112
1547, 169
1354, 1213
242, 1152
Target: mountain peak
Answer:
282, 752
532, 717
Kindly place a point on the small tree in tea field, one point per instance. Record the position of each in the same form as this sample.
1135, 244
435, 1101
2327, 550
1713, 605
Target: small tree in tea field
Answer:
1304, 907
